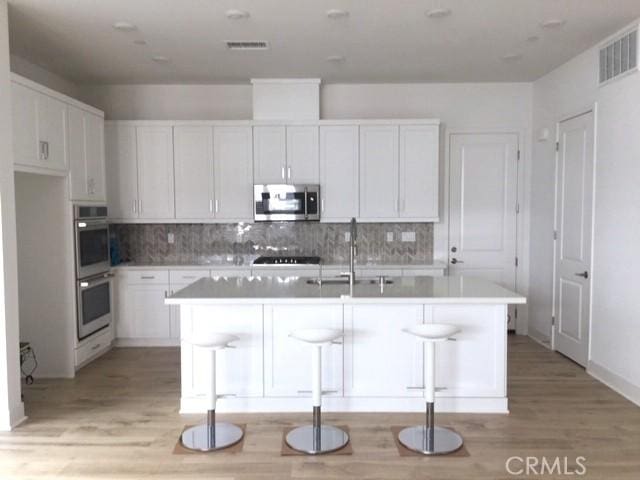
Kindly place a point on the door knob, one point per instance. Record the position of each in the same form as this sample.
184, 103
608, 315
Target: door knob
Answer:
455, 260
584, 274
454, 249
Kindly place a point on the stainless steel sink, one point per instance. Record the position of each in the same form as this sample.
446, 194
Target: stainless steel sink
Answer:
345, 281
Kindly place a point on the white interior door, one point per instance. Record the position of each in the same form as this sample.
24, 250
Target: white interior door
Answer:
483, 197
574, 218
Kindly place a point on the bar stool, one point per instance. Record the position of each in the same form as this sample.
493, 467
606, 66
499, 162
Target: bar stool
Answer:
429, 439
317, 438
212, 435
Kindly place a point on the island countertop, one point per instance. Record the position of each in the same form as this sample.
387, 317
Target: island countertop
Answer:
291, 290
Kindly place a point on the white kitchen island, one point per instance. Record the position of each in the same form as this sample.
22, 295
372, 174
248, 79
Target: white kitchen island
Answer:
377, 368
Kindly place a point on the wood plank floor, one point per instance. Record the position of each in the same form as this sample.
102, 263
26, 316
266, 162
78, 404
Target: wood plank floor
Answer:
118, 419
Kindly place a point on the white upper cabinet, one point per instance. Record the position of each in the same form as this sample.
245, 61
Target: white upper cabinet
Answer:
270, 154
302, 155
194, 172
233, 173
338, 173
378, 172
419, 152
155, 172
39, 129
122, 171
86, 155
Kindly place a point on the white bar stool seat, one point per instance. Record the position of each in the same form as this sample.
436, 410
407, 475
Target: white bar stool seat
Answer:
316, 439
212, 435
429, 439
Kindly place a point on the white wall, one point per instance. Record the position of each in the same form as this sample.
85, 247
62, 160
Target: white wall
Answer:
43, 267
11, 407
615, 329
44, 77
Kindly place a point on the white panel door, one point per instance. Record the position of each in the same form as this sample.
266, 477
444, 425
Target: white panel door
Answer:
482, 206
155, 172
52, 121
239, 370
574, 218
302, 155
233, 173
378, 172
380, 359
194, 172
270, 154
95, 152
25, 125
339, 153
121, 171
288, 361
419, 153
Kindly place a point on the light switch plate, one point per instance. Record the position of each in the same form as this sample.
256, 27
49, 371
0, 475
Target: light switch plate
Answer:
171, 238
347, 236
389, 236
408, 236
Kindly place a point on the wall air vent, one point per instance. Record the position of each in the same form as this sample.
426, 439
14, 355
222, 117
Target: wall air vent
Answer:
619, 56
247, 45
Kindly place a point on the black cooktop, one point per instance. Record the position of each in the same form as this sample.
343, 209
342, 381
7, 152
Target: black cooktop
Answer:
291, 260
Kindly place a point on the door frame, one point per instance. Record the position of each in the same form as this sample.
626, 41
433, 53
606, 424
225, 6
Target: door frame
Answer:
591, 108
523, 187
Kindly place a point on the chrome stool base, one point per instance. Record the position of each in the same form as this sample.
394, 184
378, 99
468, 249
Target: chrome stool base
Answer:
317, 440
430, 441
208, 438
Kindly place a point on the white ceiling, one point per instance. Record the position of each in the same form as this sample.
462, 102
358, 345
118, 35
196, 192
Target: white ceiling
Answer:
382, 40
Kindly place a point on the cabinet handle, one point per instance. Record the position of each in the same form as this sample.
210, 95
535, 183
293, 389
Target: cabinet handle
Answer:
217, 206
289, 173
140, 207
135, 206
283, 173
44, 150
210, 205
148, 277
322, 205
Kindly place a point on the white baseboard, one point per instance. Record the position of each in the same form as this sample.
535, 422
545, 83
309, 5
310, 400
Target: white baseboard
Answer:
614, 381
190, 405
539, 338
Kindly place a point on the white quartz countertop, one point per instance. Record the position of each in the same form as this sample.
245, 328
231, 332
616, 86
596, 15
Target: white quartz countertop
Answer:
291, 290
228, 266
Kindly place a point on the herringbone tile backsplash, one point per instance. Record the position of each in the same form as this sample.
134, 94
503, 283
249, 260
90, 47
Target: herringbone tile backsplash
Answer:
241, 243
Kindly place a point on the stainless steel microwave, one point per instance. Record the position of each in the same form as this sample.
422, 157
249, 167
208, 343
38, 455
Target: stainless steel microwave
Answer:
283, 203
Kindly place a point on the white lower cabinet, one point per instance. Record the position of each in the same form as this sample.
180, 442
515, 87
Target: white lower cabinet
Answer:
380, 360
239, 370
288, 361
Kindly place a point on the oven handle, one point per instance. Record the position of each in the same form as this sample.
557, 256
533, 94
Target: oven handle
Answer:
306, 201
92, 282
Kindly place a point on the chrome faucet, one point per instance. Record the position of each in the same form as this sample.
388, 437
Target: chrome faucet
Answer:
353, 252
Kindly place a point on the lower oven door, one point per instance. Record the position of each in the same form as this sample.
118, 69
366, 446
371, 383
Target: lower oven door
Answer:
94, 305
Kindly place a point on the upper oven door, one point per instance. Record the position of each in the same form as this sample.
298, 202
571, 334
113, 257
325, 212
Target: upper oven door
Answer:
286, 202
92, 248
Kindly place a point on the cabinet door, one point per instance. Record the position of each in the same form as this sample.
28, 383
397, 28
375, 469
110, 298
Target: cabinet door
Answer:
269, 161
378, 172
233, 173
143, 313
78, 183
194, 171
302, 155
288, 361
25, 125
338, 173
94, 146
155, 172
122, 171
380, 359
419, 153
52, 121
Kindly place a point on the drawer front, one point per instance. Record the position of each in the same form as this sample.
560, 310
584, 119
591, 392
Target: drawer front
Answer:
145, 277
187, 276
93, 347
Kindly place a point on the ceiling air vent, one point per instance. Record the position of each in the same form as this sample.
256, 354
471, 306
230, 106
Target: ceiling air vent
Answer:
247, 45
619, 56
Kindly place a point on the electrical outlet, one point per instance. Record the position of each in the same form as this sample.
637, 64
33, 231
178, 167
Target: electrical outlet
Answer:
171, 238
408, 236
347, 236
389, 236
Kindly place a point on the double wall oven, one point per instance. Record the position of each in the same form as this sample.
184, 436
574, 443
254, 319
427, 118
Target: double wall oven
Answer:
93, 279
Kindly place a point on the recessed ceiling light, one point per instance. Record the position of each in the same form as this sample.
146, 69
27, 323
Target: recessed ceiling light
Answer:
140, 41
511, 57
160, 59
335, 14
553, 23
533, 38
234, 14
336, 58
125, 26
438, 12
